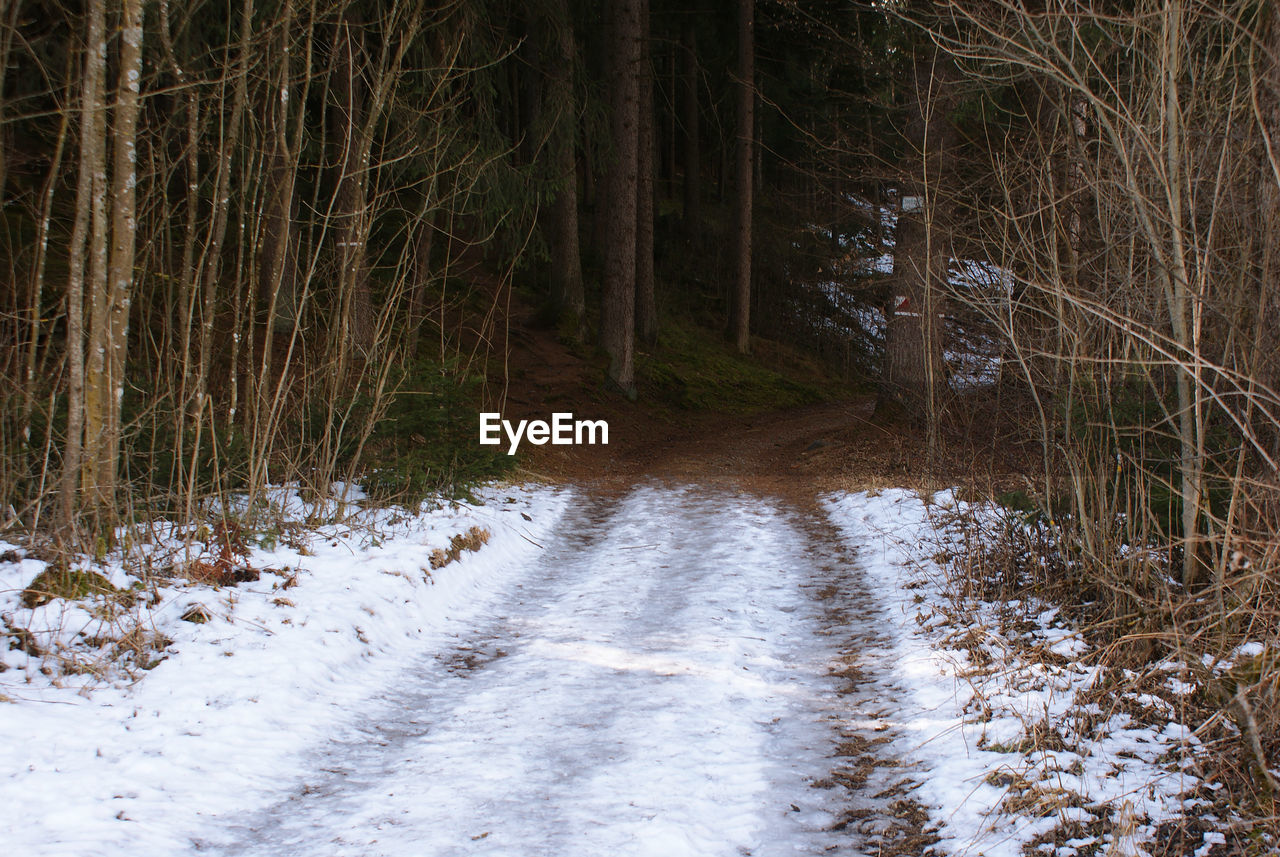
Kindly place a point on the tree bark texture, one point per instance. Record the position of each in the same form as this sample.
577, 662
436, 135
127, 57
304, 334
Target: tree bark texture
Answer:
277, 270
567, 294
356, 320
89, 188
617, 312
124, 226
646, 304
111, 265
740, 299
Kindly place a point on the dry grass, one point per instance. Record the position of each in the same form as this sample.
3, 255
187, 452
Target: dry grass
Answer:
1143, 631
472, 540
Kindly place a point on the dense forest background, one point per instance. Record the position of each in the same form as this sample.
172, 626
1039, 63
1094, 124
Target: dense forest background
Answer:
278, 240
242, 242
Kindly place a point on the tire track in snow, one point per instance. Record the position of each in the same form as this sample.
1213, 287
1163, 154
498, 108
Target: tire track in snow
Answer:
673, 676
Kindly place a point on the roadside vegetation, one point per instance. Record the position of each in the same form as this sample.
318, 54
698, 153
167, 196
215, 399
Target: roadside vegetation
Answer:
279, 244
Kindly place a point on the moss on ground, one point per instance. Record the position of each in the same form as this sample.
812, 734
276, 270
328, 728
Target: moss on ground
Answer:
58, 581
695, 369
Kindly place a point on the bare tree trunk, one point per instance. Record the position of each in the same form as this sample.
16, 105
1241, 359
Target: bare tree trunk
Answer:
124, 225
356, 322
36, 295
909, 358
913, 370
31, 330
212, 257
646, 306
188, 275
567, 295
277, 262
96, 381
9, 13
689, 115
277, 266
617, 315
1180, 300
740, 298
88, 182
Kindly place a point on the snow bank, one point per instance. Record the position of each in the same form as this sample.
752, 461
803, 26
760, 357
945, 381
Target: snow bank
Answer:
223, 713
1018, 749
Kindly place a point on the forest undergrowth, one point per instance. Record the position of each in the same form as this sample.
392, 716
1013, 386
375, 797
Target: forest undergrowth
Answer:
1101, 675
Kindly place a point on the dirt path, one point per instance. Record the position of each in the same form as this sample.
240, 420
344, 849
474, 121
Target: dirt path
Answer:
784, 461
797, 454
685, 670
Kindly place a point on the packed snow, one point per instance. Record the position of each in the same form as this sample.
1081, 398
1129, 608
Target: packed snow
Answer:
1017, 748
668, 671
643, 674
651, 684
226, 720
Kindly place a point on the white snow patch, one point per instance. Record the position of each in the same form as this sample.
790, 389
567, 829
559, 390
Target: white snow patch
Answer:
970, 726
224, 719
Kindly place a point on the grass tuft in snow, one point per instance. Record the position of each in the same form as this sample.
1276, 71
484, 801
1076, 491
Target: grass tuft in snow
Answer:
61, 581
472, 540
1043, 736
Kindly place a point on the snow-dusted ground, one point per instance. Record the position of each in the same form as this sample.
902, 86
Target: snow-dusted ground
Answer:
651, 684
646, 674
673, 671
228, 720
1018, 746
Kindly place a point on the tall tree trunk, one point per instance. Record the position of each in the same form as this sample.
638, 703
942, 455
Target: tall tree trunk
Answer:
35, 300
617, 312
1183, 303
567, 294
646, 306
211, 277
913, 370
90, 185
10, 13
740, 298
188, 275
111, 281
689, 115
277, 263
356, 322
124, 206
911, 356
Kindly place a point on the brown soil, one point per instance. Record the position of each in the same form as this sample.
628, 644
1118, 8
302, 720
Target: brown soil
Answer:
797, 453
794, 455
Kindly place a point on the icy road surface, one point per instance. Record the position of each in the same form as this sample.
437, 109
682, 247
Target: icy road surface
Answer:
658, 682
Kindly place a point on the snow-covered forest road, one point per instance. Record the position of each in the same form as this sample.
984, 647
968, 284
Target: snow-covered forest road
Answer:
669, 677
647, 669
